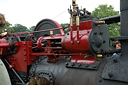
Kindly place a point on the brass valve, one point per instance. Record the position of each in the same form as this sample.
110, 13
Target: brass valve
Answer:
99, 55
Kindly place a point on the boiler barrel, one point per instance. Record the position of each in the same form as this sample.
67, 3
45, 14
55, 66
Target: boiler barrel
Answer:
76, 45
68, 76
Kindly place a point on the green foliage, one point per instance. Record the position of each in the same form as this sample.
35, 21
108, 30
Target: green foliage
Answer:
65, 25
31, 29
20, 28
103, 11
114, 30
9, 27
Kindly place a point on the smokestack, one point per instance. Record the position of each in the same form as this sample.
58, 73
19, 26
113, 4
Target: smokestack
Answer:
124, 28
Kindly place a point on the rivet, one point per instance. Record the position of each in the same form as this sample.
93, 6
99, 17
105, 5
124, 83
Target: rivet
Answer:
24, 59
115, 60
110, 75
24, 49
79, 65
71, 42
87, 31
93, 41
94, 66
24, 54
78, 42
100, 80
66, 64
72, 64
101, 32
96, 51
95, 33
86, 65
104, 41
24, 43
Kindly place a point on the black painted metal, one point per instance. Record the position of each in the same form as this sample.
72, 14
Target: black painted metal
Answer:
124, 28
116, 69
98, 39
34, 65
82, 66
112, 19
64, 75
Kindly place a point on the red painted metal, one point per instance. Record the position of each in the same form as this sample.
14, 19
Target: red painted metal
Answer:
83, 60
4, 44
75, 47
22, 58
76, 50
58, 25
85, 25
3, 47
81, 44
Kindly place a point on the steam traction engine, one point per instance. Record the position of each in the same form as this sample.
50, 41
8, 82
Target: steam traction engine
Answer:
47, 56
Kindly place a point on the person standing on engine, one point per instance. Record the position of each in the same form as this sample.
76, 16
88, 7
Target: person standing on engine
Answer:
3, 28
118, 46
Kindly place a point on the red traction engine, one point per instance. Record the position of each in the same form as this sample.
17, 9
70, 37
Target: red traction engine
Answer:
47, 56
49, 52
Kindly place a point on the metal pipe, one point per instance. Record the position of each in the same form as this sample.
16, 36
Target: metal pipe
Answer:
14, 71
77, 24
35, 31
71, 25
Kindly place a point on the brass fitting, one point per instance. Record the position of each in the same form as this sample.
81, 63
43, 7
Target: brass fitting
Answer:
99, 55
73, 2
99, 22
77, 21
71, 22
51, 32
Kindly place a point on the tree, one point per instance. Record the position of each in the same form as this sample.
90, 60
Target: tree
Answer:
103, 11
65, 25
9, 27
19, 28
31, 29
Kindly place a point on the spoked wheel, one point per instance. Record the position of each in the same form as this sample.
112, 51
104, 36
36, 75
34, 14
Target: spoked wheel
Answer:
46, 24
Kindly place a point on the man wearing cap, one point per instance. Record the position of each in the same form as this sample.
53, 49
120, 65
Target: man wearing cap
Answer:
118, 46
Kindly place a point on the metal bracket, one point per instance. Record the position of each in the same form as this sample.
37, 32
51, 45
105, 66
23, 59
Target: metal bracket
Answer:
116, 69
82, 66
